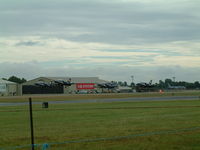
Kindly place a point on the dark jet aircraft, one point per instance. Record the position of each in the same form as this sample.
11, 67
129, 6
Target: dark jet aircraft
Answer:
43, 84
145, 87
62, 82
108, 85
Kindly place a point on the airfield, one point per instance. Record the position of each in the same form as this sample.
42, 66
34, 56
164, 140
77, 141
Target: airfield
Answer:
137, 121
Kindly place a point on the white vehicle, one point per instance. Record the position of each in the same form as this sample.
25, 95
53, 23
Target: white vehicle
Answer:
82, 92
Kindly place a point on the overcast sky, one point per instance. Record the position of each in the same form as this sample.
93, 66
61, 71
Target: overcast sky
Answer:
115, 39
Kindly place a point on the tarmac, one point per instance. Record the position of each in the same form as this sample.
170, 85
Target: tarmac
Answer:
167, 98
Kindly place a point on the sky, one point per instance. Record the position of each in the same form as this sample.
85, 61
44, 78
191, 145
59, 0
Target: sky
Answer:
113, 40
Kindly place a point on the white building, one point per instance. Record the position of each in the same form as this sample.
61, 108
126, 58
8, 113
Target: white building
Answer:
8, 88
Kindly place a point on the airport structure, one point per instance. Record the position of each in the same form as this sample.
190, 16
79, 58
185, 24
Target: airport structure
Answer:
8, 88
62, 85
73, 85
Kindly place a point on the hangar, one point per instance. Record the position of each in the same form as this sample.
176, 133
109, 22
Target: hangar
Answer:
62, 85
8, 88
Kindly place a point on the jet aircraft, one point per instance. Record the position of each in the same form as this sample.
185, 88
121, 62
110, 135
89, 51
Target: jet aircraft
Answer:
108, 85
176, 87
145, 87
42, 84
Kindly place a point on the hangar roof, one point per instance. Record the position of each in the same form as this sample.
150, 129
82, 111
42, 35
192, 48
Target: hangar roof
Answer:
6, 82
73, 80
79, 79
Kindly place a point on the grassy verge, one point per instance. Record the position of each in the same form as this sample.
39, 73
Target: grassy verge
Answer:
69, 122
94, 96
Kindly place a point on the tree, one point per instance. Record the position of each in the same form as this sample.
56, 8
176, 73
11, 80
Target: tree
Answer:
23, 80
120, 83
16, 79
132, 85
197, 84
168, 82
125, 83
161, 84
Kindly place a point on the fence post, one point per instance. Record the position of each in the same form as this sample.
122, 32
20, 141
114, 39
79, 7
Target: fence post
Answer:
31, 123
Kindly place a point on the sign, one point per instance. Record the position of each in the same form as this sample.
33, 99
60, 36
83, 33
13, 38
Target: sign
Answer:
84, 86
2, 87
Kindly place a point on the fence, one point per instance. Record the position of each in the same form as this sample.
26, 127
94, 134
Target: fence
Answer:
49, 145
46, 146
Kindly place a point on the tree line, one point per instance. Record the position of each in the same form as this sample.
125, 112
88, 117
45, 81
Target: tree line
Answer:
15, 79
188, 85
165, 84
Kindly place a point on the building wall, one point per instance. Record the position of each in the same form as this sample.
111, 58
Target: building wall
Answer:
3, 89
77, 87
8, 89
19, 89
12, 89
68, 89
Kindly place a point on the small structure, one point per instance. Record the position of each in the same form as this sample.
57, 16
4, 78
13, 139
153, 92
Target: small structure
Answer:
45, 105
8, 88
124, 89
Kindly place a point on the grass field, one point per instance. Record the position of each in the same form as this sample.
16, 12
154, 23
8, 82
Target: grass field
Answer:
79, 122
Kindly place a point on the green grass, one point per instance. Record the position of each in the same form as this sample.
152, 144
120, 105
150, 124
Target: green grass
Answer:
66, 122
95, 96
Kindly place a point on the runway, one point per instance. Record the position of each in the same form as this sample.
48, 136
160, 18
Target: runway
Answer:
170, 98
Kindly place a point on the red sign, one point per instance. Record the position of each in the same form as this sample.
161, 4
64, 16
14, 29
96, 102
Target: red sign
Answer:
81, 86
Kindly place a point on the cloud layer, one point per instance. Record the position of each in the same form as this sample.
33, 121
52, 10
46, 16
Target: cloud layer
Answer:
123, 36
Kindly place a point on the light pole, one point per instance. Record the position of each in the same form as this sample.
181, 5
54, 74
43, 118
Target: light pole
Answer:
132, 85
132, 77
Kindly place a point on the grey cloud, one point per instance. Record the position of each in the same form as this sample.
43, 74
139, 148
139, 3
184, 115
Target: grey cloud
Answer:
28, 43
28, 70
109, 22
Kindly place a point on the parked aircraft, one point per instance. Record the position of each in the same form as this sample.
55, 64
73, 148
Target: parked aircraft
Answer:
41, 83
176, 87
54, 83
62, 82
145, 87
108, 85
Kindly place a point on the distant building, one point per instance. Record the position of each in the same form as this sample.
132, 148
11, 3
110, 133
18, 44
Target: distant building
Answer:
8, 88
62, 85
125, 89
